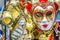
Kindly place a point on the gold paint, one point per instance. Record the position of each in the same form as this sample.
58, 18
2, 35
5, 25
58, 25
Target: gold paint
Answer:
38, 18
9, 7
15, 14
51, 17
29, 25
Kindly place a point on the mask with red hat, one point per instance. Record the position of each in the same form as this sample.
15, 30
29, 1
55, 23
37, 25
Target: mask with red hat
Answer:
44, 14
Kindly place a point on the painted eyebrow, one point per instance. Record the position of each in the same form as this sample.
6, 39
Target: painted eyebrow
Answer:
39, 8
49, 7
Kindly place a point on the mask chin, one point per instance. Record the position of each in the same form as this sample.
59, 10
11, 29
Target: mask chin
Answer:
45, 26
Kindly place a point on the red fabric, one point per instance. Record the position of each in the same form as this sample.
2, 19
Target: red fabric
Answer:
43, 1
56, 5
51, 37
21, 0
38, 30
28, 6
21, 3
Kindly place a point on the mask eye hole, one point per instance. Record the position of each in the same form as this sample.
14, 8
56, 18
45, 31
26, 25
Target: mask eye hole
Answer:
38, 14
49, 13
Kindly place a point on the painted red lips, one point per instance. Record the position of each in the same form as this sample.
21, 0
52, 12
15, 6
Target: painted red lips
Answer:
45, 25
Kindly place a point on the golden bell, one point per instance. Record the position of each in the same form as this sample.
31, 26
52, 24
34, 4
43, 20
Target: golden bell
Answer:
7, 20
6, 17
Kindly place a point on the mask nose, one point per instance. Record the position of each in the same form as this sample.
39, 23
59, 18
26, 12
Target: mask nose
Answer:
44, 20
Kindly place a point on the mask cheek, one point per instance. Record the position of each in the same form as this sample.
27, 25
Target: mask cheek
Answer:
40, 25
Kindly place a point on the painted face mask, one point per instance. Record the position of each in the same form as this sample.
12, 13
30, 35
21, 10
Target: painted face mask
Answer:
44, 15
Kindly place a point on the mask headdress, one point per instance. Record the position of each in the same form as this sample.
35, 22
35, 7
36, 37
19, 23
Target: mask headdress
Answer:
44, 14
43, 1
46, 3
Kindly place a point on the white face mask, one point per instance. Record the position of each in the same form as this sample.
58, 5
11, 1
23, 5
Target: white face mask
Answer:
44, 22
45, 25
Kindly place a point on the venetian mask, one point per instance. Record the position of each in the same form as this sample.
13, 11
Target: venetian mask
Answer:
44, 15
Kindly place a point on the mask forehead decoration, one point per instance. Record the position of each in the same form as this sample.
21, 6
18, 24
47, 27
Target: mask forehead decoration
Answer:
44, 15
